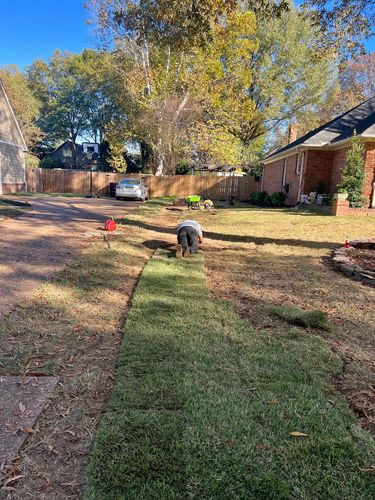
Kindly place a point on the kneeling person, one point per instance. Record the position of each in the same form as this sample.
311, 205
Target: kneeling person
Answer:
189, 235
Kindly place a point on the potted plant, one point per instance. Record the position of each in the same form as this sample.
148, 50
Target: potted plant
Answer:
341, 194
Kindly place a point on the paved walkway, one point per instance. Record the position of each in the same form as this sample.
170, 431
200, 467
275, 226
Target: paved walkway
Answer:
38, 244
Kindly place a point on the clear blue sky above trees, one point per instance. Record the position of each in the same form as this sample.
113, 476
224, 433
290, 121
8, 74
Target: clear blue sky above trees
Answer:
32, 30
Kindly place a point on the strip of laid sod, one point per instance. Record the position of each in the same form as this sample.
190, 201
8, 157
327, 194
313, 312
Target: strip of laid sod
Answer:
204, 405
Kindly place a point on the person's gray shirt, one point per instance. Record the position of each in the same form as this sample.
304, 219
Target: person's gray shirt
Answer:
191, 223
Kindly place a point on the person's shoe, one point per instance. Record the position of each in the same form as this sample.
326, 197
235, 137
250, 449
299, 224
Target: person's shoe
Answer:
178, 252
186, 252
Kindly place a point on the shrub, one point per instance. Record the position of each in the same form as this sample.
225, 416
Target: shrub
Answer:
353, 175
276, 199
258, 198
31, 161
50, 162
264, 199
184, 167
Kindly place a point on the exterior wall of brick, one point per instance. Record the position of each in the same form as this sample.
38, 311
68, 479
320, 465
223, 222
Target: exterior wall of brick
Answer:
339, 162
341, 207
369, 169
318, 169
273, 178
320, 165
293, 179
12, 164
14, 188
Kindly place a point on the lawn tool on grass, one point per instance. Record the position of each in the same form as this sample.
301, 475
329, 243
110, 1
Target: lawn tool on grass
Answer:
194, 202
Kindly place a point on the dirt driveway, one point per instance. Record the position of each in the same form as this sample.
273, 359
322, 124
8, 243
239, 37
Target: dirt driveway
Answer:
42, 241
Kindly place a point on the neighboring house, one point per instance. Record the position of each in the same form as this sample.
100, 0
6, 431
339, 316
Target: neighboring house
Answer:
68, 158
88, 156
315, 161
12, 149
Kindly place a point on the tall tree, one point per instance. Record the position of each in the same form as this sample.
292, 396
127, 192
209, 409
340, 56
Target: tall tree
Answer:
355, 84
345, 23
25, 105
166, 49
60, 87
291, 74
220, 80
76, 91
357, 79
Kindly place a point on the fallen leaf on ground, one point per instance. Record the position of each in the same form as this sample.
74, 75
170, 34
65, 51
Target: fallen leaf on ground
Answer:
369, 469
22, 408
12, 479
27, 430
297, 434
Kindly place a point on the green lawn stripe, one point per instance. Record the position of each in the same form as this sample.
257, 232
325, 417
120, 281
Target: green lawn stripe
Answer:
203, 405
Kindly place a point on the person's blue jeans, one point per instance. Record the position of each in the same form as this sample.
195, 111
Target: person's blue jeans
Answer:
187, 237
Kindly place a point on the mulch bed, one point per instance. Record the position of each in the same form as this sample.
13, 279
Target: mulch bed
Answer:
364, 258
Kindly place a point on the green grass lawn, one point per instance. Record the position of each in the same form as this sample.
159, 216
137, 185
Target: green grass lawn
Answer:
204, 405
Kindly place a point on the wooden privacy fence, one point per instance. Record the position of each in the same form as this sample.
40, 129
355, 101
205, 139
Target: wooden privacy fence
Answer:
42, 180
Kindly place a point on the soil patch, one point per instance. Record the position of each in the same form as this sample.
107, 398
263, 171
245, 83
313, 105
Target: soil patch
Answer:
22, 401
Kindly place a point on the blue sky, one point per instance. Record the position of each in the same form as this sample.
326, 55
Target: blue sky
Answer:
34, 29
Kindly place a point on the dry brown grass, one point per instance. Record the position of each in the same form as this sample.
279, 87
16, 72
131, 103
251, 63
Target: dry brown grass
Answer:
70, 328
265, 258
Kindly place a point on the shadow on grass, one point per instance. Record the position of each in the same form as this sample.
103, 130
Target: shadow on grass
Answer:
233, 237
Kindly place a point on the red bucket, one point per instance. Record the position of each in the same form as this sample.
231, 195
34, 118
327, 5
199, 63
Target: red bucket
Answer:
110, 225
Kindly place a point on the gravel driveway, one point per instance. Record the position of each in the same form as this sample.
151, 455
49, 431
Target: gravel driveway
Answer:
42, 241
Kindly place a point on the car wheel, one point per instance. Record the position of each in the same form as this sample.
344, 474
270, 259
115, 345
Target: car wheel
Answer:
118, 198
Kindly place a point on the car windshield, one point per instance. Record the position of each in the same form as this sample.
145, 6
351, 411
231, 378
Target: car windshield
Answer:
130, 182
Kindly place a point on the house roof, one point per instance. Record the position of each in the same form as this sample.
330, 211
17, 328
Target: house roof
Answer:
20, 140
68, 142
360, 119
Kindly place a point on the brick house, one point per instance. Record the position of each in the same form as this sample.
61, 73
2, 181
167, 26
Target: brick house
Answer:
12, 149
315, 161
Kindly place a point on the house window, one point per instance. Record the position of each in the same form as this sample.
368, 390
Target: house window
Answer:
284, 173
299, 164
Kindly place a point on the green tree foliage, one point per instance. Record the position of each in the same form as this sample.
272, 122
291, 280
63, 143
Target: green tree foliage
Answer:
25, 104
222, 75
170, 87
76, 91
291, 75
345, 23
116, 157
353, 175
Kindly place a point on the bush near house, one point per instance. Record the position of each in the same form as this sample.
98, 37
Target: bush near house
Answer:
264, 199
50, 162
353, 175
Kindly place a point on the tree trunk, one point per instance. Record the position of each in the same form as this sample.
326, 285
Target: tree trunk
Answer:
145, 155
73, 149
159, 164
